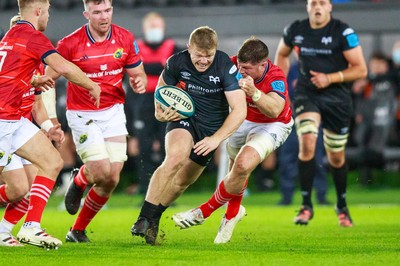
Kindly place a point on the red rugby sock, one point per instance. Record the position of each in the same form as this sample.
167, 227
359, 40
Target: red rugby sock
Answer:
80, 179
93, 204
234, 204
219, 198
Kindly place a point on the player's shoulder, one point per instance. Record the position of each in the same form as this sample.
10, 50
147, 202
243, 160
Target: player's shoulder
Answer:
275, 69
121, 31
296, 25
179, 59
342, 27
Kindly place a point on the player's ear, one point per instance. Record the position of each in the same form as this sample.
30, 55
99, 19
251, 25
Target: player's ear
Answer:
86, 14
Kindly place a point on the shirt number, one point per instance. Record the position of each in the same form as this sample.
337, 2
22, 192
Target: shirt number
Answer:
3, 55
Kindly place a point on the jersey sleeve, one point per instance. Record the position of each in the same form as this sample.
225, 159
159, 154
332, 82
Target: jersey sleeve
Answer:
169, 73
278, 84
288, 34
40, 45
133, 59
231, 75
349, 38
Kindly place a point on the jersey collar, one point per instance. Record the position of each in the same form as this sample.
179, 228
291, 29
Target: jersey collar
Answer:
263, 75
25, 22
92, 40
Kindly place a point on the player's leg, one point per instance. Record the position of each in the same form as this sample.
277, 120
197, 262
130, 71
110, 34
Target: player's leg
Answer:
338, 167
21, 178
178, 145
38, 150
307, 131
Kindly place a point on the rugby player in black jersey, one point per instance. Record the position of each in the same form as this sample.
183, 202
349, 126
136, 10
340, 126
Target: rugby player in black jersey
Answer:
330, 56
211, 79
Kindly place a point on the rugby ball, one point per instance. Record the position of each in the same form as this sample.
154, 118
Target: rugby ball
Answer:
179, 99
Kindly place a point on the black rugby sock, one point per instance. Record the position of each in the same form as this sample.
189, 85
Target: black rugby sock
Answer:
307, 171
159, 211
340, 180
148, 210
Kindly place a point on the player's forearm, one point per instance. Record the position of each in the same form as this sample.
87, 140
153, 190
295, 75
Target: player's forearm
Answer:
350, 74
39, 113
75, 75
231, 123
270, 105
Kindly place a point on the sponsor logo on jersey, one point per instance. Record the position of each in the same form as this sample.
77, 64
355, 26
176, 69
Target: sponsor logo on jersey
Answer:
298, 39
238, 76
184, 123
136, 47
348, 31
83, 138
352, 40
103, 67
278, 86
84, 58
214, 79
118, 54
326, 39
185, 75
2, 154
233, 69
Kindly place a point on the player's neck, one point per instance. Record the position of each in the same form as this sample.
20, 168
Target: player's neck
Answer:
31, 20
98, 36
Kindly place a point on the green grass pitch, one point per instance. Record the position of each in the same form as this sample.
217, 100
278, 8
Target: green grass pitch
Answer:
266, 236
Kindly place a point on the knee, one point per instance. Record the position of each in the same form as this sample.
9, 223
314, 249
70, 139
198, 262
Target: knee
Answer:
100, 173
242, 167
336, 161
307, 147
173, 163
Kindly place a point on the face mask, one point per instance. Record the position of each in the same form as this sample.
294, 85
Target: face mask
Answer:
396, 56
154, 35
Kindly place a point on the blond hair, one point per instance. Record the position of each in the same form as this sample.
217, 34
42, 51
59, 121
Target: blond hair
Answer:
14, 20
22, 4
96, 2
204, 38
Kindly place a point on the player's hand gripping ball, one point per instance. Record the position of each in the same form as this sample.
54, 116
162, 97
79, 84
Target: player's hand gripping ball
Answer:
179, 99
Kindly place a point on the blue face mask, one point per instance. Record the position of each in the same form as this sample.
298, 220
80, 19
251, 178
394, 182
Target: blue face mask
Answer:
396, 56
154, 35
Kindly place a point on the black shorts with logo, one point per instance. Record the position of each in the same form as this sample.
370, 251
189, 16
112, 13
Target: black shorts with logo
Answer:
198, 133
335, 114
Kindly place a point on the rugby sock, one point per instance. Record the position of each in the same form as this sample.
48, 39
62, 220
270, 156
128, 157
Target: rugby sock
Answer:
92, 205
234, 204
5, 226
80, 179
159, 211
307, 170
148, 210
16, 210
3, 196
39, 195
340, 181
219, 198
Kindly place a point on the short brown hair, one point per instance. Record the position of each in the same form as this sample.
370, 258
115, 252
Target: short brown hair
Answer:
204, 38
253, 51
96, 2
25, 3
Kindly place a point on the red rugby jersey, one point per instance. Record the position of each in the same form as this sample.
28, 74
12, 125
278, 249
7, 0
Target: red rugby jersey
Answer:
21, 51
28, 98
103, 62
273, 79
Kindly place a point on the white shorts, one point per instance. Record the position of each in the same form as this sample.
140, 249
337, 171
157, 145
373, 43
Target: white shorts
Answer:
90, 128
13, 135
16, 163
263, 137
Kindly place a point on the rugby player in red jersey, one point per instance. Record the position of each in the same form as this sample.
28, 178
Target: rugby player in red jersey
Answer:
267, 125
22, 50
104, 51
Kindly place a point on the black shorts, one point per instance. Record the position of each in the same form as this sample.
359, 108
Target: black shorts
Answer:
335, 115
198, 133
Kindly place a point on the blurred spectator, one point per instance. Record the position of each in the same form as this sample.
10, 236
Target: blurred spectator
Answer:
148, 133
287, 157
375, 112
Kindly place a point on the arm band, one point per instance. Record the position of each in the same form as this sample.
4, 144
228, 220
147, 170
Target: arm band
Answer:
256, 96
46, 125
49, 101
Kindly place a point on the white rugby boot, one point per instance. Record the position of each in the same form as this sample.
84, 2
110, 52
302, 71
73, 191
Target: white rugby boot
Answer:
188, 218
38, 237
8, 240
226, 228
